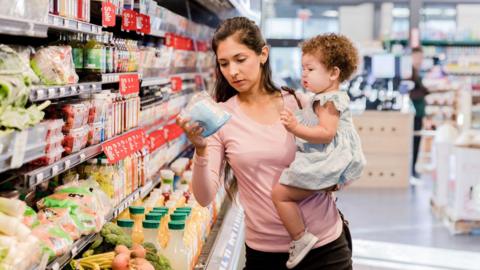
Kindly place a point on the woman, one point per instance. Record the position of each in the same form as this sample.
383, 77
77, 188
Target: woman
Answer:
257, 147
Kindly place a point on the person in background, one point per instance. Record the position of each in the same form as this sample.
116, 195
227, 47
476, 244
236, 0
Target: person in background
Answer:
417, 95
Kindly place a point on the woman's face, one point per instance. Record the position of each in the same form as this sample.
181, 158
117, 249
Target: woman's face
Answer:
240, 65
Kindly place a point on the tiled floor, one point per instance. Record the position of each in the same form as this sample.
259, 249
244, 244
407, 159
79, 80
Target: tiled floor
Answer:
395, 229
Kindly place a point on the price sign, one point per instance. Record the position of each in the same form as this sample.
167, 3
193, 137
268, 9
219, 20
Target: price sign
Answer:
176, 83
124, 146
129, 20
169, 39
144, 26
129, 84
108, 14
156, 140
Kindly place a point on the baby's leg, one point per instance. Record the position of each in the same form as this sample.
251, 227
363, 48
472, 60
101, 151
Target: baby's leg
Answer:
285, 199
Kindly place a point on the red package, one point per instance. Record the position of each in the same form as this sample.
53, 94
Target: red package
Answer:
75, 115
76, 140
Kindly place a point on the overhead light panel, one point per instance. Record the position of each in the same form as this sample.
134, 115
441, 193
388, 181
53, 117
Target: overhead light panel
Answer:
330, 13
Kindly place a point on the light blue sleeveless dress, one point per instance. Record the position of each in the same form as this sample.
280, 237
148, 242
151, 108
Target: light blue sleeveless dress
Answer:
318, 166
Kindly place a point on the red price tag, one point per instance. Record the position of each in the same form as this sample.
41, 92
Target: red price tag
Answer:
144, 26
129, 84
169, 39
108, 14
129, 20
124, 146
176, 84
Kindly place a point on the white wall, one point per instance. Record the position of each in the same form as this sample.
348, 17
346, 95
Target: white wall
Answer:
468, 17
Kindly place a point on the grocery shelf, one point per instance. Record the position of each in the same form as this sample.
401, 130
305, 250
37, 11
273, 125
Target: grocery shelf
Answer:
224, 244
39, 93
80, 245
115, 77
22, 27
160, 80
62, 23
42, 174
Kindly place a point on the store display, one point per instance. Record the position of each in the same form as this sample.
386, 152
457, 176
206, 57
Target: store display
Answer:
76, 9
35, 10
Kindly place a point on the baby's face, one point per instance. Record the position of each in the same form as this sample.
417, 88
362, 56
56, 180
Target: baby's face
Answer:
316, 77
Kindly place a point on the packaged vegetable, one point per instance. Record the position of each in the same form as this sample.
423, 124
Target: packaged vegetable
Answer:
54, 65
19, 254
24, 53
11, 207
61, 217
54, 127
30, 217
12, 226
54, 240
21, 118
54, 143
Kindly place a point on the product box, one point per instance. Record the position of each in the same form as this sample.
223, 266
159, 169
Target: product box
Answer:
463, 201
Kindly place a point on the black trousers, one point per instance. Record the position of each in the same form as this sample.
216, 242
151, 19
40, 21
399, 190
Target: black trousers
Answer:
417, 126
336, 255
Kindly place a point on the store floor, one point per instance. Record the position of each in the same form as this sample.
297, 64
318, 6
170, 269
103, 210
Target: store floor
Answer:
395, 229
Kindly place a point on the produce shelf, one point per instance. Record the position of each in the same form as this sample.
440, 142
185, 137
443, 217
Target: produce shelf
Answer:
40, 93
43, 174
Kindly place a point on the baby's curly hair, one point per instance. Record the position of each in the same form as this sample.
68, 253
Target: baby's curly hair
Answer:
333, 50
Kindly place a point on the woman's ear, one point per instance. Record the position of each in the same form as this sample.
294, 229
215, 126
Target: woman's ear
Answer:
335, 74
264, 54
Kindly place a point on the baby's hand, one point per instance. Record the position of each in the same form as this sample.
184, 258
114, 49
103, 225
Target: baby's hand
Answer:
288, 120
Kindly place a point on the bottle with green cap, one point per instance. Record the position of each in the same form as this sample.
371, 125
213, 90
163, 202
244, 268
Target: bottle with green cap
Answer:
178, 217
150, 232
176, 251
126, 225
154, 216
137, 214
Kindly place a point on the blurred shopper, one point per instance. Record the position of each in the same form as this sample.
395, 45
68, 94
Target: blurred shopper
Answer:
417, 95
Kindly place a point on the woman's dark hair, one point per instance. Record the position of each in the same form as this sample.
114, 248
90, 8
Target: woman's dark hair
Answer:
248, 34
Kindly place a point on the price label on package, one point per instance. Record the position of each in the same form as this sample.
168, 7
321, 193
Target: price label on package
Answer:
108, 14
176, 83
129, 20
124, 146
129, 84
144, 26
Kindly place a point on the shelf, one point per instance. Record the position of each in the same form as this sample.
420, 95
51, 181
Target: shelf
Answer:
39, 93
21, 27
225, 242
43, 174
82, 243
115, 77
439, 43
155, 81
62, 23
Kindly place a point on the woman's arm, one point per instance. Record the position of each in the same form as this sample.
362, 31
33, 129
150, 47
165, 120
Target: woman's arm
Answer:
207, 165
323, 133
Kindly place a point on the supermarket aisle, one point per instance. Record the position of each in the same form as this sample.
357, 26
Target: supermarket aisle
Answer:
395, 229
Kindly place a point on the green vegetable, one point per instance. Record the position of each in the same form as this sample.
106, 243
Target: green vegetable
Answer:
158, 261
21, 118
3, 253
114, 235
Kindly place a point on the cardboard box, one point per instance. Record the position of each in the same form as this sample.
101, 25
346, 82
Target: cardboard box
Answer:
463, 201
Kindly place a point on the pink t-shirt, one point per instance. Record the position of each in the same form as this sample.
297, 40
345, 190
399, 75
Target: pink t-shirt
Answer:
258, 154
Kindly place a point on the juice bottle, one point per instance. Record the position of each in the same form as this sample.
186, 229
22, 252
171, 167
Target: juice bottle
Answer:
167, 181
150, 232
126, 225
77, 52
137, 214
176, 251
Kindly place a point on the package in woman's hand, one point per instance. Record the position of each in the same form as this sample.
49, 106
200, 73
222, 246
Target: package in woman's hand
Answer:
203, 110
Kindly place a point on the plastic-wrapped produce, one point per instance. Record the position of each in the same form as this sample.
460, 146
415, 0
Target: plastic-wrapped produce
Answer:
54, 65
